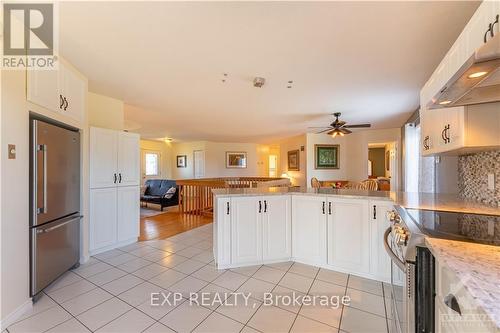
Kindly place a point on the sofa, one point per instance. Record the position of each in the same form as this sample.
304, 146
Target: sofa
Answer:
155, 190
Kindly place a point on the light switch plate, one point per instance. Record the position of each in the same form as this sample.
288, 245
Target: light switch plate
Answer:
491, 181
12, 151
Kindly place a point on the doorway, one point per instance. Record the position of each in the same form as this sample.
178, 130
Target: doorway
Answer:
383, 165
150, 166
199, 163
273, 166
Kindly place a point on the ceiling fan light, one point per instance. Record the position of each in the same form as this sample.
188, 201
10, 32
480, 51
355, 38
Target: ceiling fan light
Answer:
476, 75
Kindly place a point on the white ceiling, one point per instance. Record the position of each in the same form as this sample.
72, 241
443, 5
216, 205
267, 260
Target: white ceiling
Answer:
166, 60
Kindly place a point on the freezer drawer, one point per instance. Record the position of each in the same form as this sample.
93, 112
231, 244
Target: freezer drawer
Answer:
55, 247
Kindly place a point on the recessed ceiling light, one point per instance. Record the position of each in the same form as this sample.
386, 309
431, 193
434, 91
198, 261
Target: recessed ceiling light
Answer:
477, 74
444, 102
168, 139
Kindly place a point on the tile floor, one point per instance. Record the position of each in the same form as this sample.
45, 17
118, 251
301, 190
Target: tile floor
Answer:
112, 293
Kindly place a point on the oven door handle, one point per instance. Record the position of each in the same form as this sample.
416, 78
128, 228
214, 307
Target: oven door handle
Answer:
391, 254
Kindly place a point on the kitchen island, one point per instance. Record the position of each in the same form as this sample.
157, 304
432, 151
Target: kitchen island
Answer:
339, 229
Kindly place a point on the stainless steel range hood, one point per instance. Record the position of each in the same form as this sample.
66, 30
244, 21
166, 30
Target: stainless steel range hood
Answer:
476, 82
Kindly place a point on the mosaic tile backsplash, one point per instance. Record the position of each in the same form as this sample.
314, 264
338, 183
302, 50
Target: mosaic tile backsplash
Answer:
473, 176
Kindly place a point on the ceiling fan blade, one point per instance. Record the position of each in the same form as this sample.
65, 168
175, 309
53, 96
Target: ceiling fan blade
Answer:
357, 126
323, 131
319, 127
345, 130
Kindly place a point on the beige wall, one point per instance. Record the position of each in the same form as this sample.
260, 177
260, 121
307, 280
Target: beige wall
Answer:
105, 112
297, 178
14, 204
165, 150
353, 154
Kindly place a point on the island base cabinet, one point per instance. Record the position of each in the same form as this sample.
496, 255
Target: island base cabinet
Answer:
380, 263
246, 230
349, 235
276, 229
309, 229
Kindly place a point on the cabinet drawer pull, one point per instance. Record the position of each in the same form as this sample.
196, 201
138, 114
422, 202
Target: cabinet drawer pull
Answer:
61, 101
374, 212
120, 177
66, 103
227, 209
324, 207
329, 208
114, 178
265, 206
260, 206
451, 301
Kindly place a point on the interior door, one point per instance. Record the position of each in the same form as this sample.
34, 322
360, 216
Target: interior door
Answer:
151, 164
246, 230
199, 163
103, 158
56, 175
349, 235
128, 159
128, 213
277, 228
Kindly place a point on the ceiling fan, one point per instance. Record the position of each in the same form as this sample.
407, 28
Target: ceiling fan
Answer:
339, 127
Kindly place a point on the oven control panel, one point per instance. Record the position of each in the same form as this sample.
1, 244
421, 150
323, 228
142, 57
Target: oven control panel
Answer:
399, 232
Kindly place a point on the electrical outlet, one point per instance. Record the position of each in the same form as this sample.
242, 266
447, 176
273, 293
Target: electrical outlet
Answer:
491, 181
11, 151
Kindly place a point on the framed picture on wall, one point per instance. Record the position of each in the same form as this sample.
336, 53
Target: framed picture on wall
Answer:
236, 160
326, 156
294, 160
181, 161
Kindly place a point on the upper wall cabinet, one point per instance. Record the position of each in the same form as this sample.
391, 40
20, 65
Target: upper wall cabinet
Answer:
62, 90
471, 38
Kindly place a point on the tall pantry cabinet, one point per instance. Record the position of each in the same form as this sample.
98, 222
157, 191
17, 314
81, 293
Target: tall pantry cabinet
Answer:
114, 189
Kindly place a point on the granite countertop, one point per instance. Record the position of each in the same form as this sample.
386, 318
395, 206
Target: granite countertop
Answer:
477, 267
429, 201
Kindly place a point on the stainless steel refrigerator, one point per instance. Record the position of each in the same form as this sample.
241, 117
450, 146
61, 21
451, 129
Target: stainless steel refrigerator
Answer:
54, 202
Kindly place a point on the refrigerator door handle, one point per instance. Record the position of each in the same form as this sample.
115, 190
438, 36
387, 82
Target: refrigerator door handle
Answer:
57, 226
43, 209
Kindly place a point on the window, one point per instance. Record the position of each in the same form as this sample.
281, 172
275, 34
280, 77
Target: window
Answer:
273, 165
152, 164
412, 163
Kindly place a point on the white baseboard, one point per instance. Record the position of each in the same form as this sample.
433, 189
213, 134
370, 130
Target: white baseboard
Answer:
16, 314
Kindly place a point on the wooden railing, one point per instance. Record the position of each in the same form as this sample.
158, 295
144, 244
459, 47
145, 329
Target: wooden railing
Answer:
195, 195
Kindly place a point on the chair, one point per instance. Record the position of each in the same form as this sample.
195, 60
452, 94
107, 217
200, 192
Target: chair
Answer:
369, 184
315, 183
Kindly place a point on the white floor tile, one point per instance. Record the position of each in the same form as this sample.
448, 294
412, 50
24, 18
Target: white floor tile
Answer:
189, 252
158, 311
286, 301
239, 309
143, 251
324, 314
370, 286
256, 288
367, 302
211, 296
189, 266
217, 323
42, 321
121, 259
63, 281
185, 317
66, 293
133, 321
306, 325
304, 270
122, 284
204, 245
188, 285
284, 266
139, 293
86, 301
133, 265
157, 255
150, 271
86, 271
354, 321
106, 276
208, 273
103, 313
272, 319
296, 282
108, 254
269, 274
173, 247
167, 278
132, 247
332, 277
172, 260
158, 328
248, 270
248, 329
325, 288
44, 303
205, 256
70, 326
230, 280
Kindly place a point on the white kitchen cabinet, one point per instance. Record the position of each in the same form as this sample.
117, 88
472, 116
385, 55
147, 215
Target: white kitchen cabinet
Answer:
114, 158
309, 221
349, 235
222, 232
380, 263
103, 218
277, 228
246, 230
128, 213
63, 90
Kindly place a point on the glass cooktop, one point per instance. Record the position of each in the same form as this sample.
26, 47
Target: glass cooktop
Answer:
483, 229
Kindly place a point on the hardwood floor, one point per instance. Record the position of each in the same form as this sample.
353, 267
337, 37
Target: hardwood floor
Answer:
168, 224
